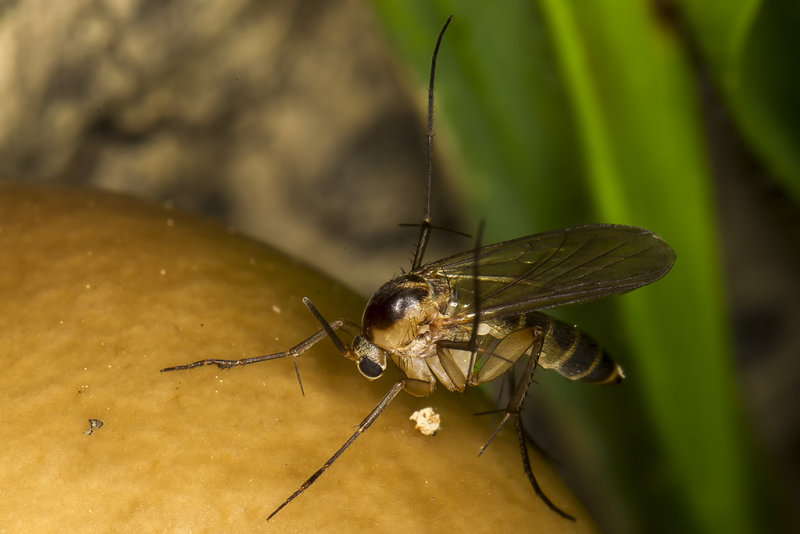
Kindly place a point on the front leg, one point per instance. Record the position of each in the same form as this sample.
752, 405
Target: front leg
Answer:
295, 351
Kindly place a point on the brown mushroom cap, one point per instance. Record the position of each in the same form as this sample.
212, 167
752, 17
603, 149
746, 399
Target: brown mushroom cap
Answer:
101, 291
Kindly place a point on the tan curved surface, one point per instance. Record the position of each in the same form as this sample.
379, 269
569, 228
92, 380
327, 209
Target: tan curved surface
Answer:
100, 291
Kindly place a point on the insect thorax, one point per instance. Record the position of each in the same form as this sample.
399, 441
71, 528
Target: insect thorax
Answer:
401, 316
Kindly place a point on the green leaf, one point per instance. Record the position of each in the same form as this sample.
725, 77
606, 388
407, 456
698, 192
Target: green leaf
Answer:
750, 46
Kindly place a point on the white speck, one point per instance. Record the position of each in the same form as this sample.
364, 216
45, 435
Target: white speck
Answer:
170, 222
276, 309
162, 272
427, 421
88, 286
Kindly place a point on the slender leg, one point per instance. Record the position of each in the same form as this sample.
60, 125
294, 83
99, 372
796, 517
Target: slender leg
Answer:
526, 466
295, 351
513, 409
362, 427
518, 395
471, 345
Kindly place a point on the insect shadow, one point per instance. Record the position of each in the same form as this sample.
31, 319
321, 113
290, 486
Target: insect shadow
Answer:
467, 319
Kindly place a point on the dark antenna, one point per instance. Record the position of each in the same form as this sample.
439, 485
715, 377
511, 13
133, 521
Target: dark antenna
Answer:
425, 225
325, 326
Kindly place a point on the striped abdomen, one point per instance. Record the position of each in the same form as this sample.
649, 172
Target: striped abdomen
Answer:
573, 354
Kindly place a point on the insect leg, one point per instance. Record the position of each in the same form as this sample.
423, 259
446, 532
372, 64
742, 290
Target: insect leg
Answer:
295, 351
513, 408
526, 466
518, 395
471, 345
362, 427
328, 329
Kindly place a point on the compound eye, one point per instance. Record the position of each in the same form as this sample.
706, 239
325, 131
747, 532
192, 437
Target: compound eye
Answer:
369, 369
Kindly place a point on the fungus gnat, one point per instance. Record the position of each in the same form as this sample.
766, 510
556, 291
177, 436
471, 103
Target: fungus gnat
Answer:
467, 319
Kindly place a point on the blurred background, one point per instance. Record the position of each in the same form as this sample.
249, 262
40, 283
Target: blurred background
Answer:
301, 123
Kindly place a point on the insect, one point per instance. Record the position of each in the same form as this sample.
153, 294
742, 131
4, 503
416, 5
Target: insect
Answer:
467, 319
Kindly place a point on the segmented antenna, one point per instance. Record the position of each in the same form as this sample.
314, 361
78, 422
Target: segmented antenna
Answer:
425, 225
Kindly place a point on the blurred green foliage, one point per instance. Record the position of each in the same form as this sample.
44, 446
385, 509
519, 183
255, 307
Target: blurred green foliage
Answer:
557, 113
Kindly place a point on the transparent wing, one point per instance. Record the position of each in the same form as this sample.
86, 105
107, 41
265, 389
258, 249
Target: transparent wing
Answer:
556, 268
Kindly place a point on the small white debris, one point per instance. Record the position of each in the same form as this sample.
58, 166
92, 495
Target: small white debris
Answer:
276, 309
427, 421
